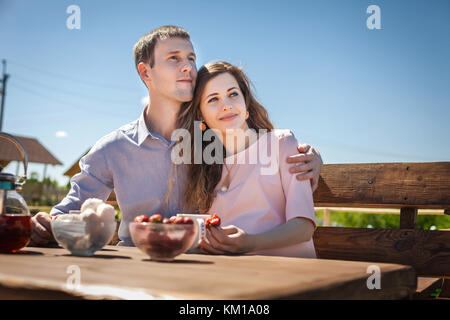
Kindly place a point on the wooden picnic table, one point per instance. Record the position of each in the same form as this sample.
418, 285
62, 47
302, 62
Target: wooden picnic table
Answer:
127, 273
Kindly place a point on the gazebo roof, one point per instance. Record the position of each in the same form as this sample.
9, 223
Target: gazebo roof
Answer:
75, 168
36, 151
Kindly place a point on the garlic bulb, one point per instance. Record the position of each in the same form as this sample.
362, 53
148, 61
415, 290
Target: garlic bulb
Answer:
106, 212
91, 203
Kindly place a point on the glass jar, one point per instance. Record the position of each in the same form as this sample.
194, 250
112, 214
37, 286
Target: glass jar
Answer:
15, 218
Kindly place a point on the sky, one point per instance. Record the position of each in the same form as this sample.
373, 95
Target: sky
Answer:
357, 95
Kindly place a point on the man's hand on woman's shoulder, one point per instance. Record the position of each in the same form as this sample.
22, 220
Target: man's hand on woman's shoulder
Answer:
308, 164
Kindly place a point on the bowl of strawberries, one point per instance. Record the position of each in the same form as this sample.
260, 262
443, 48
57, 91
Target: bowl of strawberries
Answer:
163, 239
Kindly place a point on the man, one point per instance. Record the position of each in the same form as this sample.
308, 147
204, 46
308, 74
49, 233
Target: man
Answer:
135, 160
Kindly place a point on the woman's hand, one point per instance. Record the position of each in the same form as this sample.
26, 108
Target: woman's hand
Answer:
227, 240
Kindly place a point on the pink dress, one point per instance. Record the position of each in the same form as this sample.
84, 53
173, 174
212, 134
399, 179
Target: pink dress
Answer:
263, 194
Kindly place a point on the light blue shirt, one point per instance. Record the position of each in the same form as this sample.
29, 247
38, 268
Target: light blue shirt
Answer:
137, 164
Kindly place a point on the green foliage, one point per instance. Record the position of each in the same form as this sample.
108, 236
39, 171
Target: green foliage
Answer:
34, 176
436, 293
383, 221
41, 193
425, 222
118, 214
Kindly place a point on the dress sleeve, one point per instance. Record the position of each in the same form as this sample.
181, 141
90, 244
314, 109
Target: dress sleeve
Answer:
299, 198
94, 181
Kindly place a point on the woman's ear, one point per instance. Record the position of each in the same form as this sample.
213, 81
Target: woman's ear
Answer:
144, 72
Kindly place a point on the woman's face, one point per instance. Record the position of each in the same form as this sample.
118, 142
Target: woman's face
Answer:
223, 105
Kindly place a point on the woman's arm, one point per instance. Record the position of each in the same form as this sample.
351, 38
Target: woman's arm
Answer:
294, 231
299, 214
232, 239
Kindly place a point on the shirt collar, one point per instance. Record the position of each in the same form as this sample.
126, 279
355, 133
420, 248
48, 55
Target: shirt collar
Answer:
143, 132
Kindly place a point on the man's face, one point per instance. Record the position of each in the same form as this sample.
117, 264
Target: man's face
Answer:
174, 72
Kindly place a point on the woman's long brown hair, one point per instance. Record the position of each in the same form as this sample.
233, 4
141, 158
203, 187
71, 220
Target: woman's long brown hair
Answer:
203, 178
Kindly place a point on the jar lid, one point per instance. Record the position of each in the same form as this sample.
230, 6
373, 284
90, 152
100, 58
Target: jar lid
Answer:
7, 181
7, 177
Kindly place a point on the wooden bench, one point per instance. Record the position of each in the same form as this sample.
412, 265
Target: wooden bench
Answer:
408, 186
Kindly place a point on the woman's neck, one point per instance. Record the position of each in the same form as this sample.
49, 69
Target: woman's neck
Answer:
237, 140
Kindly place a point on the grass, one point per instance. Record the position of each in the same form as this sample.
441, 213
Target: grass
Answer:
383, 221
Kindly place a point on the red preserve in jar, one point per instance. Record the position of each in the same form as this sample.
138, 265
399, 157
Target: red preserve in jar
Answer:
15, 232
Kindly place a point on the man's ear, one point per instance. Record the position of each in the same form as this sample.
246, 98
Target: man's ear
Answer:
144, 72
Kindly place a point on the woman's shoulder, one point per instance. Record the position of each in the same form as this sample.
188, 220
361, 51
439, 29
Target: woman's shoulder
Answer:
282, 133
286, 141
285, 137
282, 140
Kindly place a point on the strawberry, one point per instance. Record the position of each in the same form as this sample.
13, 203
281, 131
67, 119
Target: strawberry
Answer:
141, 218
179, 220
155, 218
214, 221
166, 221
172, 219
188, 220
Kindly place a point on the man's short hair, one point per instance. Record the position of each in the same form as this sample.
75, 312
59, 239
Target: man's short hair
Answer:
144, 49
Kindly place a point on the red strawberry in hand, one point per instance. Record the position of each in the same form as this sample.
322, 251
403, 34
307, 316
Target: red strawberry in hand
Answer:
141, 218
214, 221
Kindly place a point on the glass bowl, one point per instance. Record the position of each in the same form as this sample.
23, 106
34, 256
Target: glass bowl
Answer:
82, 237
163, 241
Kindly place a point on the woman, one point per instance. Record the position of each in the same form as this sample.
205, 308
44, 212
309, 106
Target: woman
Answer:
271, 214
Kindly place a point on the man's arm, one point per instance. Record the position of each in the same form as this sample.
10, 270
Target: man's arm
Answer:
307, 164
94, 181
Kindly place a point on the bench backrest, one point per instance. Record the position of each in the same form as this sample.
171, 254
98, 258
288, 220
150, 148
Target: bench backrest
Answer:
408, 186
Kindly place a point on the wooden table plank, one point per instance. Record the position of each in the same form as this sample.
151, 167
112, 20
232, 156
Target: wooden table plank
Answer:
127, 273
